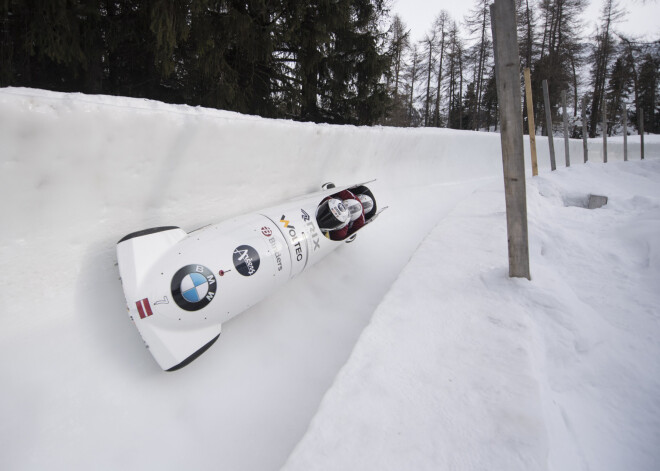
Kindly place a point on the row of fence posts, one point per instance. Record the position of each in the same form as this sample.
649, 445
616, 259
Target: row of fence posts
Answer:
507, 78
585, 147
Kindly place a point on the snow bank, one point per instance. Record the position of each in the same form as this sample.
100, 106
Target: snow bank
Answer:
79, 172
464, 368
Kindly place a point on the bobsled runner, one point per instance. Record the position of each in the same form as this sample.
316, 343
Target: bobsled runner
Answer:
181, 287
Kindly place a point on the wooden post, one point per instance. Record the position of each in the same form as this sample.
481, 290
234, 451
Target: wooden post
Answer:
530, 121
507, 76
641, 130
625, 133
565, 116
585, 147
604, 132
548, 124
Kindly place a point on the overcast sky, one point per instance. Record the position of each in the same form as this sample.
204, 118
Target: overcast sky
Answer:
642, 18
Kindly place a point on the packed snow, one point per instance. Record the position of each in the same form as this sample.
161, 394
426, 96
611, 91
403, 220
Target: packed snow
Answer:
463, 368
407, 349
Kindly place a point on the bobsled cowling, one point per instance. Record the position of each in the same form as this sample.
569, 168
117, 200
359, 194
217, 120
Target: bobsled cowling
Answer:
181, 287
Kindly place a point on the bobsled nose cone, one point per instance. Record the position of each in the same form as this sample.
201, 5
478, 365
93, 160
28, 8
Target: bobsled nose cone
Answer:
173, 343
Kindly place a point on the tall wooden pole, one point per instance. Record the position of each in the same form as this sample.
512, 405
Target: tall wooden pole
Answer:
585, 147
507, 75
548, 124
604, 132
641, 130
625, 132
530, 121
565, 118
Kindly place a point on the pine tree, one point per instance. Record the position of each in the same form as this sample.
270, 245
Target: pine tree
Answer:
324, 60
440, 25
400, 43
209, 78
412, 76
617, 90
478, 22
428, 44
601, 58
489, 101
649, 79
558, 62
470, 103
527, 37
43, 43
455, 56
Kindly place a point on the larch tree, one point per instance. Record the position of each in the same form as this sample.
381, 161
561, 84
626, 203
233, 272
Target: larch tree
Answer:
440, 26
478, 23
603, 52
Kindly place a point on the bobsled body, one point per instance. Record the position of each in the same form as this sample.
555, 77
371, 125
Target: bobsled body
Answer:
180, 287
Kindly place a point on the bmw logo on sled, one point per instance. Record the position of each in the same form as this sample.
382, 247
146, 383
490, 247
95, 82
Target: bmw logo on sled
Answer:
180, 287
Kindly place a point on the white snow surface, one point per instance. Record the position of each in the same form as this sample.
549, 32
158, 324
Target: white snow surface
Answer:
464, 368
388, 354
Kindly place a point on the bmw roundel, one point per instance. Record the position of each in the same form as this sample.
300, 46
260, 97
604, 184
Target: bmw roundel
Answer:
193, 287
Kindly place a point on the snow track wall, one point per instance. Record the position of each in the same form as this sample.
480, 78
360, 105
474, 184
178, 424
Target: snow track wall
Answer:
80, 172
144, 157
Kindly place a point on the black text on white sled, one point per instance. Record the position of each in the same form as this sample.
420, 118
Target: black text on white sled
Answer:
180, 287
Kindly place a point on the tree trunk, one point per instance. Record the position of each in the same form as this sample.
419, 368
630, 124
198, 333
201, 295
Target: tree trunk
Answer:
436, 118
428, 85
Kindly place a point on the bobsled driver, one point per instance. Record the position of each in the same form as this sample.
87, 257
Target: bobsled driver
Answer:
342, 214
332, 216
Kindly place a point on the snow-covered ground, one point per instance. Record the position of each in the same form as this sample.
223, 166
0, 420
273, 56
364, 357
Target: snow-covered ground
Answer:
464, 368
458, 367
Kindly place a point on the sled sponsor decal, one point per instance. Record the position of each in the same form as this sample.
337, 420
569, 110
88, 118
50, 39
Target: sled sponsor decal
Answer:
246, 260
144, 309
193, 287
293, 235
312, 230
284, 221
267, 231
276, 252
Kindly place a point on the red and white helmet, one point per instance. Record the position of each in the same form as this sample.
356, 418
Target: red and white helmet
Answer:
367, 203
354, 208
332, 215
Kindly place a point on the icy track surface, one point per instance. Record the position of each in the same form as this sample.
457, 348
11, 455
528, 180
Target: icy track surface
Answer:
460, 366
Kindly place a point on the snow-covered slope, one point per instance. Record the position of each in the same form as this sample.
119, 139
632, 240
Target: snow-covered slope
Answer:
79, 172
464, 368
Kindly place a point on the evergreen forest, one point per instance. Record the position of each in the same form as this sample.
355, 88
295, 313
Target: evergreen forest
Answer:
331, 61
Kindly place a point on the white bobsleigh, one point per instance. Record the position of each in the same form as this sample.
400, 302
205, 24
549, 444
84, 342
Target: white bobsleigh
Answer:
180, 287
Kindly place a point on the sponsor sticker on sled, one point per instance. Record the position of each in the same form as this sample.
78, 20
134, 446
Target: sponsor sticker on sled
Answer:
193, 287
246, 260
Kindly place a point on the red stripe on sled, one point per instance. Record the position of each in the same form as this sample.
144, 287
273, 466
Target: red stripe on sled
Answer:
140, 310
147, 306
